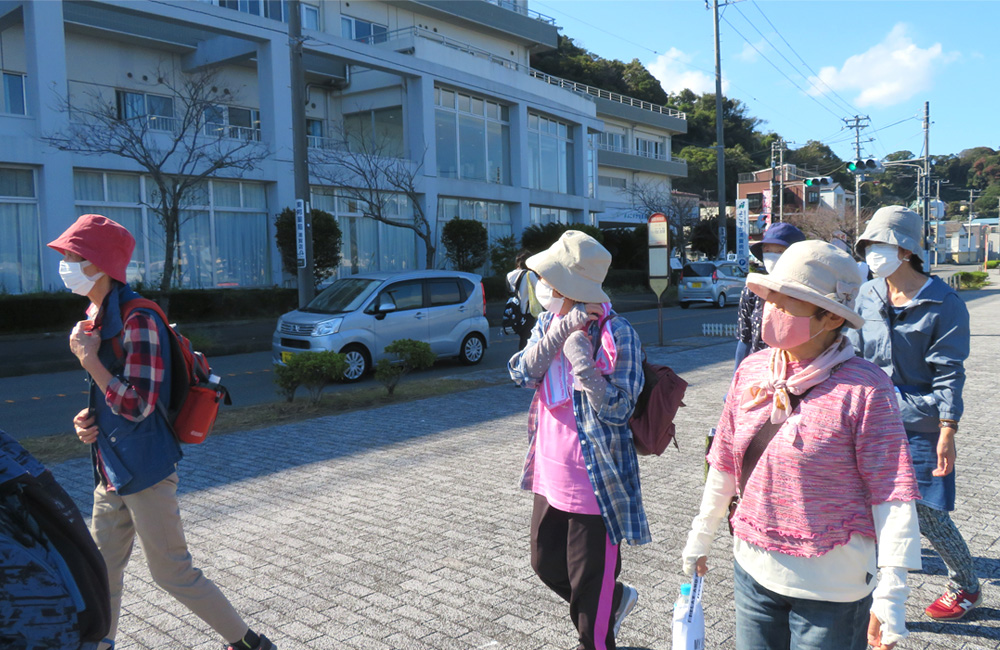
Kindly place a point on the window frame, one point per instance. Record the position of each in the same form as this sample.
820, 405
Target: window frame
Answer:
5, 108
374, 37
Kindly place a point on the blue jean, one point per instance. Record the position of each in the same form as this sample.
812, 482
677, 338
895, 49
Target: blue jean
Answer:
766, 620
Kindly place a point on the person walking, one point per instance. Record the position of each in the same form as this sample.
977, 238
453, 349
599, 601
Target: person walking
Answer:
917, 330
521, 282
133, 451
812, 444
585, 363
776, 239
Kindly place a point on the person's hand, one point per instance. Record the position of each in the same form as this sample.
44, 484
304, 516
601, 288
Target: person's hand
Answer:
86, 426
84, 342
579, 350
945, 452
594, 309
701, 566
875, 634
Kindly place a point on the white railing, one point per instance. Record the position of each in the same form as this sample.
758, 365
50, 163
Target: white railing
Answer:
319, 142
441, 39
521, 8
604, 94
245, 133
638, 152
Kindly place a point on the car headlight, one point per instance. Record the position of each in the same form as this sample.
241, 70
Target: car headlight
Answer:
327, 327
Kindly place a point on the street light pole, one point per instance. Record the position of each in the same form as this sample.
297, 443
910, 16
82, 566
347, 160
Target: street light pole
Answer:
300, 153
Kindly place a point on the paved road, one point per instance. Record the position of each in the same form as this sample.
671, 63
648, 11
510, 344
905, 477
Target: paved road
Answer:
402, 528
44, 404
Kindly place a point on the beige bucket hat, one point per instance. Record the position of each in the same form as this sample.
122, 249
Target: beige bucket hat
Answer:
575, 266
896, 225
818, 273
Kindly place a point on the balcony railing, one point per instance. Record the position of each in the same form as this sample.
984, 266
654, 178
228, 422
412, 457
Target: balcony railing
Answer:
604, 94
521, 8
441, 39
228, 131
633, 152
330, 144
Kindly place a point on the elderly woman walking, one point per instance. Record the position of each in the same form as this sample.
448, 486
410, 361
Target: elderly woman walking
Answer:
811, 442
586, 364
917, 330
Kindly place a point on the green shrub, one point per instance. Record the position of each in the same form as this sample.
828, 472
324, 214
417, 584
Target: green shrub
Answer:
972, 279
540, 236
410, 355
503, 254
466, 243
992, 264
326, 242
314, 370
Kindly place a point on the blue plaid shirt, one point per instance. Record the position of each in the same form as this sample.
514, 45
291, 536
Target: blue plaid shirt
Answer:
605, 438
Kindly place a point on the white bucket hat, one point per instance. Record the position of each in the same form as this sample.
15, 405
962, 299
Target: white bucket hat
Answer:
896, 225
575, 266
818, 273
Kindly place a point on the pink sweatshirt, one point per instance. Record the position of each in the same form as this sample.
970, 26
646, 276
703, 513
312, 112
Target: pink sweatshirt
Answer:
843, 451
560, 474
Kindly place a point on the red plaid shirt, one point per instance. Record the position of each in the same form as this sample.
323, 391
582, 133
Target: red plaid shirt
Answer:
132, 393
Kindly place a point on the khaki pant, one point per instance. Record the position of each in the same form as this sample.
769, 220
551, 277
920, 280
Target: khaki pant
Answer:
153, 516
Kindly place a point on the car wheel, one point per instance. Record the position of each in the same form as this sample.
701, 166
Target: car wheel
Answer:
473, 348
720, 302
358, 362
685, 305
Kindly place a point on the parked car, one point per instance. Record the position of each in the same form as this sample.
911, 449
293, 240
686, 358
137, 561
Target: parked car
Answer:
718, 283
359, 315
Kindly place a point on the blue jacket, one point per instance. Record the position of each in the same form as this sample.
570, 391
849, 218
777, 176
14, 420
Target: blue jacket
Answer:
140, 454
922, 349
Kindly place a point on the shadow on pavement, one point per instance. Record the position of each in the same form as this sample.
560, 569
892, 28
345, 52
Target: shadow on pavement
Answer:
964, 627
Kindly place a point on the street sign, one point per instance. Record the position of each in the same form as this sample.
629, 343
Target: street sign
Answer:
300, 233
659, 260
743, 234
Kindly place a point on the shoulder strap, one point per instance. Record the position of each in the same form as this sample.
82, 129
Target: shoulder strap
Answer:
516, 288
761, 440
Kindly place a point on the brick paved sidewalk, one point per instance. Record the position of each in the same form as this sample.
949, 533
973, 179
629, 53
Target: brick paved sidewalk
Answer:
402, 527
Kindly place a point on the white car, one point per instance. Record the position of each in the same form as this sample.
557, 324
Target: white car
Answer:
359, 315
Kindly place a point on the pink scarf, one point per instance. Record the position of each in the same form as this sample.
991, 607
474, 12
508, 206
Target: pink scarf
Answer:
777, 385
557, 385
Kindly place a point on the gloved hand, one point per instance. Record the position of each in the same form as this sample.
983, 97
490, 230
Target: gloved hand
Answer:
538, 357
889, 607
579, 351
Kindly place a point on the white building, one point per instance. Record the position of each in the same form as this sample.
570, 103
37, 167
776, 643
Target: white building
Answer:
446, 81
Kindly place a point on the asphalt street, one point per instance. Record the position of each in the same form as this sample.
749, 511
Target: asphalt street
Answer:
403, 528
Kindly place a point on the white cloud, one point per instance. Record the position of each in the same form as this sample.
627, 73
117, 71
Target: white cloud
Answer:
672, 70
889, 73
751, 52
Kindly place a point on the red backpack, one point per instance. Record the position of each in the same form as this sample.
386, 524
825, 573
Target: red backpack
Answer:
195, 393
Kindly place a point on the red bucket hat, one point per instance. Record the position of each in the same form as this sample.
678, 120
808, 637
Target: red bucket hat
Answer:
101, 241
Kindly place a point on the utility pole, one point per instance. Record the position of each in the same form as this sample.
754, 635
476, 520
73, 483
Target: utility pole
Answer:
927, 186
968, 238
781, 182
720, 156
300, 153
859, 122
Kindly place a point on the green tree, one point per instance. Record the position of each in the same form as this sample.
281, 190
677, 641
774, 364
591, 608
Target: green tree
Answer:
705, 236
466, 243
503, 254
409, 355
314, 370
540, 236
818, 157
326, 243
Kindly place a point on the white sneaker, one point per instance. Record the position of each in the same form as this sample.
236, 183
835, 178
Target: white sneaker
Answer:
630, 596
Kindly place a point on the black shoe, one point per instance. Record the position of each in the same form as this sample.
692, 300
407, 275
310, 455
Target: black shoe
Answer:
264, 644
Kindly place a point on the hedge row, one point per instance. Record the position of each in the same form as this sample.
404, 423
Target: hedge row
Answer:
48, 312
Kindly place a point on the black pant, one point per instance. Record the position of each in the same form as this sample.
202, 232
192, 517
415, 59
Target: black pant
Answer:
525, 332
571, 554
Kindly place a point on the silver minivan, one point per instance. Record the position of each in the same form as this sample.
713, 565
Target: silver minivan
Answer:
718, 283
359, 315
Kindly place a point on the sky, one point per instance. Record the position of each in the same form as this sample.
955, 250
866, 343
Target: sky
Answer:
803, 66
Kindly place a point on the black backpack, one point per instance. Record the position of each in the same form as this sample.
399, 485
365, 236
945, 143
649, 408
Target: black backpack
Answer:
38, 516
513, 312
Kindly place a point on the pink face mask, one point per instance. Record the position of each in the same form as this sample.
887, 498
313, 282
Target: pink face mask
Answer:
784, 331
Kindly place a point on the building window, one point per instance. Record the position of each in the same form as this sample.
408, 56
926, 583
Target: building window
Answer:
362, 30
812, 197
223, 236
550, 155
611, 181
755, 202
232, 122
378, 131
543, 215
13, 94
473, 137
493, 215
650, 148
610, 141
20, 263
158, 109
273, 9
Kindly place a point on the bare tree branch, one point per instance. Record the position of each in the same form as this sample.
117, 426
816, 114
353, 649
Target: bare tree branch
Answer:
648, 197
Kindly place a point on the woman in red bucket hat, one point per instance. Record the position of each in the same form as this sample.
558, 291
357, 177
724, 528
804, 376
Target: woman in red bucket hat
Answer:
133, 451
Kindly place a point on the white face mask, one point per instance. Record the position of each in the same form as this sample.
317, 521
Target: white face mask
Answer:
770, 259
547, 300
883, 259
75, 279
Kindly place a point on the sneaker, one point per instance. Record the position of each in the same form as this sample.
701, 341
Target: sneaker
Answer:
265, 644
629, 598
953, 605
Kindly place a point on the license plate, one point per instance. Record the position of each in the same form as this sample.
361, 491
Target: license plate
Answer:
696, 285
286, 356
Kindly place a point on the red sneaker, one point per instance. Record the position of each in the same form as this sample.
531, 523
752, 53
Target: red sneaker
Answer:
953, 605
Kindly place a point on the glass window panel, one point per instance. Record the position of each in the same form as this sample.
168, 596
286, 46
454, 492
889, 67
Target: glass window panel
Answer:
471, 136
567, 162
240, 117
405, 295
13, 93
314, 128
310, 17
534, 162
123, 188
160, 105
388, 124
321, 200
562, 131
250, 7
346, 27
399, 249
504, 113
447, 98
17, 182
464, 103
226, 194
130, 105
243, 246
273, 9
447, 144
87, 186
477, 106
532, 122
497, 152
437, 96
20, 266
254, 195
550, 164
493, 110
378, 34
194, 251
362, 30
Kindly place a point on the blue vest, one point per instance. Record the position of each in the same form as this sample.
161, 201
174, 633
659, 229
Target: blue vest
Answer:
136, 455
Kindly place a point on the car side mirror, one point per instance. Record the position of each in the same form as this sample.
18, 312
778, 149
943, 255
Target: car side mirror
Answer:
386, 304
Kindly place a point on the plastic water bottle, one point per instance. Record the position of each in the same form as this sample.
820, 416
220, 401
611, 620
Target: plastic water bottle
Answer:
689, 620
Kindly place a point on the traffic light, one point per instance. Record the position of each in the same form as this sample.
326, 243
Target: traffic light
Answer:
865, 166
818, 181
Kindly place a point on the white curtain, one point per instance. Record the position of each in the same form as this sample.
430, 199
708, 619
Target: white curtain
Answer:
241, 238
20, 270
